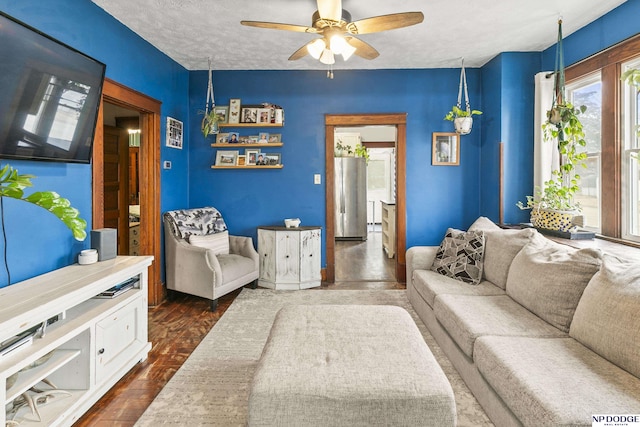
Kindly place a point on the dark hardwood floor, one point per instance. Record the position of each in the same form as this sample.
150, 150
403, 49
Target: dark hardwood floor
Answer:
177, 327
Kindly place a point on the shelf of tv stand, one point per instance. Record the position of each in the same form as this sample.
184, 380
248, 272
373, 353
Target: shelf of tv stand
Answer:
240, 145
250, 125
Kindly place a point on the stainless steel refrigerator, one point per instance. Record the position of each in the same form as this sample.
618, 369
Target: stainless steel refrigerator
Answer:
351, 198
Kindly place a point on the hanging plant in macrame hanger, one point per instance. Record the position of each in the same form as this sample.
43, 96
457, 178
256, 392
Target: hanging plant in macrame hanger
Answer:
210, 121
462, 119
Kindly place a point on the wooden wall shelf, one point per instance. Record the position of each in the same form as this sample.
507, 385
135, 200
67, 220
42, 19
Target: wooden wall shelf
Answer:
264, 144
249, 167
250, 125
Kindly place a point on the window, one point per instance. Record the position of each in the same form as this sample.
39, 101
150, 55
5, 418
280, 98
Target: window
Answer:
630, 157
610, 185
587, 91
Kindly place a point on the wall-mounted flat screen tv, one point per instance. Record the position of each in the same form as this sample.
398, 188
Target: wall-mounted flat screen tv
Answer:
49, 96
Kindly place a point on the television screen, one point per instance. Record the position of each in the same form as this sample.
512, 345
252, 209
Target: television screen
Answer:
49, 96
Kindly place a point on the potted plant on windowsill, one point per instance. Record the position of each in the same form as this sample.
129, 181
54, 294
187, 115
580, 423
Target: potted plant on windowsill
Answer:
462, 119
12, 184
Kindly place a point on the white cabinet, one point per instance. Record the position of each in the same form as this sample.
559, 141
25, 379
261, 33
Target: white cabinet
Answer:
389, 228
88, 345
289, 257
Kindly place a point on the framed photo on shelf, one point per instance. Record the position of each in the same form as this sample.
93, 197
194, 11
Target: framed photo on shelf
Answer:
244, 139
263, 137
264, 115
234, 110
222, 113
445, 149
251, 156
249, 115
226, 157
253, 139
174, 133
272, 159
241, 161
234, 138
222, 138
275, 137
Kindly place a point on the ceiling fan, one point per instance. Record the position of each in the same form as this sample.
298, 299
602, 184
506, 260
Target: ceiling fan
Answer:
338, 32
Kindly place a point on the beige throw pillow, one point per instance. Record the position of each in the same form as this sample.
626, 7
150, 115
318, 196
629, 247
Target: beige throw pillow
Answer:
607, 319
500, 247
218, 243
548, 279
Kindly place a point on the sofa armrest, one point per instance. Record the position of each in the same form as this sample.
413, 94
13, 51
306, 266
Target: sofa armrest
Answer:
242, 245
419, 258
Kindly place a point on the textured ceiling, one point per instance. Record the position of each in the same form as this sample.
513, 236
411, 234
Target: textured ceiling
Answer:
191, 31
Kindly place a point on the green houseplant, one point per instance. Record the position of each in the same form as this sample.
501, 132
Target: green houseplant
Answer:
210, 122
12, 184
462, 119
554, 206
362, 151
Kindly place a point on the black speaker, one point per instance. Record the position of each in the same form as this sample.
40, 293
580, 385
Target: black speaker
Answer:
105, 240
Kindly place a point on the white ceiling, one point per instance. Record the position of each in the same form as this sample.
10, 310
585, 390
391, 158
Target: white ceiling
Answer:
191, 31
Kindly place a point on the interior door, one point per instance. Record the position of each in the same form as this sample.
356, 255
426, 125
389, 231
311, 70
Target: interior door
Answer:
116, 184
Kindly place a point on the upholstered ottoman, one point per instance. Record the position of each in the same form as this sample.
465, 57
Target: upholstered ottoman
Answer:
348, 365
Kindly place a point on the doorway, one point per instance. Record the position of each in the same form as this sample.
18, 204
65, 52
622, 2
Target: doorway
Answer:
335, 121
148, 111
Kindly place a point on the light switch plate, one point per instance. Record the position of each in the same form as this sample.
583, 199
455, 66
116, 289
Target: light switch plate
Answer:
317, 179
166, 164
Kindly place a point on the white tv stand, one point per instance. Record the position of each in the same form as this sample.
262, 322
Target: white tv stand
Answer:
95, 342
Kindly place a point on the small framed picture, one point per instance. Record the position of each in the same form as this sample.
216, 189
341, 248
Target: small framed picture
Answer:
263, 137
222, 138
264, 115
234, 138
234, 110
226, 158
174, 133
260, 159
275, 137
249, 115
243, 139
253, 139
272, 159
241, 160
251, 156
445, 149
222, 113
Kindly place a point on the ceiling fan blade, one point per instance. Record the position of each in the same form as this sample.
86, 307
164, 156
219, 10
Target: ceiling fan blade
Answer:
278, 26
385, 22
300, 53
363, 50
330, 9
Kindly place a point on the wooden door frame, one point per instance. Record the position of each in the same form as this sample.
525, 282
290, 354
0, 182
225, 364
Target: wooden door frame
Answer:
149, 110
399, 120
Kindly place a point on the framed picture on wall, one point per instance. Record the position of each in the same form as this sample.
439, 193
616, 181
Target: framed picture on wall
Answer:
222, 113
234, 110
174, 133
249, 115
226, 157
252, 156
445, 149
272, 159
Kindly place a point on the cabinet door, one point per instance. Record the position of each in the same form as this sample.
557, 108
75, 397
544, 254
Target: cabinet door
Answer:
288, 257
119, 337
310, 255
266, 250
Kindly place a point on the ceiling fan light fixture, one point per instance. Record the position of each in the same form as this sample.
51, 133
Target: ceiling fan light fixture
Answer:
327, 57
316, 48
339, 45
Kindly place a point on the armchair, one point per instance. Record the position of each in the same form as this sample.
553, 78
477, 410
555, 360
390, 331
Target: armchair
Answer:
202, 259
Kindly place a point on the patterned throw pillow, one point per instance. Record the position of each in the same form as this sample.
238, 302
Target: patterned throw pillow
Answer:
460, 256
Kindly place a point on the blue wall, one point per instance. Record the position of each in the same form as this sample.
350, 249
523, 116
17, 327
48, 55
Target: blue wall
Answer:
37, 241
437, 196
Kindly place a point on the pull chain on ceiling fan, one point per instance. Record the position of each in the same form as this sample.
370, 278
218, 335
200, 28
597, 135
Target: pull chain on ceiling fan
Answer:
338, 33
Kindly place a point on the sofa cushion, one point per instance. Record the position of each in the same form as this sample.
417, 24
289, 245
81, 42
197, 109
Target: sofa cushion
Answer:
607, 318
555, 381
500, 247
218, 243
468, 317
234, 267
460, 256
430, 284
548, 279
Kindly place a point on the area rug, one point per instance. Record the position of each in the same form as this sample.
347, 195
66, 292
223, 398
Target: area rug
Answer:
212, 386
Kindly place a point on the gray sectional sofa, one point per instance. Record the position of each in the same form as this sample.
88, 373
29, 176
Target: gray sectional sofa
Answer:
550, 336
